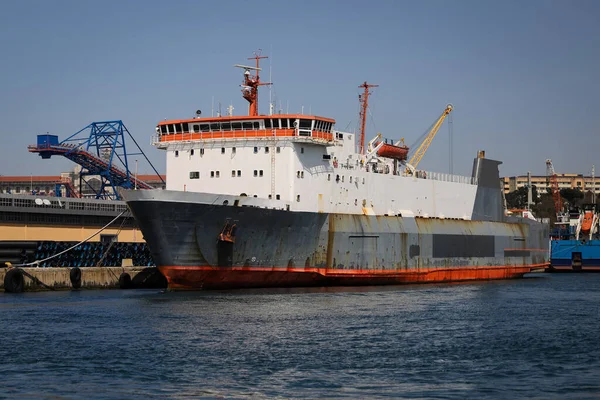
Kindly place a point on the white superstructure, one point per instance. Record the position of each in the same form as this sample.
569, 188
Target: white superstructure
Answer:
302, 163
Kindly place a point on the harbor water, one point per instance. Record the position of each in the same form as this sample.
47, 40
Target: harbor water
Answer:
535, 337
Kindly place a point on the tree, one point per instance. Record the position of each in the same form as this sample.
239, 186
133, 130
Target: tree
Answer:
573, 197
518, 198
545, 208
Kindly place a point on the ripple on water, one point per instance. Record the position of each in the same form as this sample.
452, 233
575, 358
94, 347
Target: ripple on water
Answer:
533, 338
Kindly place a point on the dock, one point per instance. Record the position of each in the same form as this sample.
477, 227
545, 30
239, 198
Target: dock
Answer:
63, 278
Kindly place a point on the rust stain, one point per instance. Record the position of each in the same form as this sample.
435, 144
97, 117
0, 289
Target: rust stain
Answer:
330, 241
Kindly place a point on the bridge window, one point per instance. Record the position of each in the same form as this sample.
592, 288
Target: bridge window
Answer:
177, 128
305, 124
196, 128
226, 126
216, 126
236, 126
268, 124
163, 129
205, 127
195, 175
247, 125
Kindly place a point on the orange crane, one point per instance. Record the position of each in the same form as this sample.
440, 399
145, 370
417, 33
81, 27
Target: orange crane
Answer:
553, 181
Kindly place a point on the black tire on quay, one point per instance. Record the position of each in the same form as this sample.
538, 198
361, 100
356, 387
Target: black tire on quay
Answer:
14, 282
75, 276
125, 281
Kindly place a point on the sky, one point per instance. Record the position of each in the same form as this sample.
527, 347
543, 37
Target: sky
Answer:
522, 75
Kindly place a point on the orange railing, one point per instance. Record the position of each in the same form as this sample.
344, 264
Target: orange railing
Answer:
244, 134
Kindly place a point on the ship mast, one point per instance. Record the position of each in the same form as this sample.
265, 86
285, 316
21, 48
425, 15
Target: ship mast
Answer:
364, 103
251, 84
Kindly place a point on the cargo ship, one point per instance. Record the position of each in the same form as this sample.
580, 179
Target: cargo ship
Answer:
284, 200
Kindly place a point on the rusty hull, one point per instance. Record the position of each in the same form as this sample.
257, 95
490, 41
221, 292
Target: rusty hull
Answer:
282, 248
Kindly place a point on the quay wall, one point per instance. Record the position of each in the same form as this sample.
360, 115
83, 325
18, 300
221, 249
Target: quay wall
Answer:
91, 277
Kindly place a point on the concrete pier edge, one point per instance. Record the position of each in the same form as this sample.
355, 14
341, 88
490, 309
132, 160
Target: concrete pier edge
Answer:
59, 278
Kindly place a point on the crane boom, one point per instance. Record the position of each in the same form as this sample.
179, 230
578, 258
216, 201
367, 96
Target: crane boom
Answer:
416, 158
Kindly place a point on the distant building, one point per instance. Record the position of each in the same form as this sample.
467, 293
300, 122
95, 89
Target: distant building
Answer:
47, 185
565, 181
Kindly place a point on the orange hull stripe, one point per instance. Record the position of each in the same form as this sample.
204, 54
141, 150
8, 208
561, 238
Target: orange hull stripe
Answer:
354, 272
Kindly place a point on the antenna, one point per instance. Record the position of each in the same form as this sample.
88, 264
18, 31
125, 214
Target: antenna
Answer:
247, 67
271, 80
364, 101
594, 181
251, 83
451, 136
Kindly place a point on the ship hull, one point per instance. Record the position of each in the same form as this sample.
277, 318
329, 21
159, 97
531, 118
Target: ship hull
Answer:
279, 248
570, 255
211, 278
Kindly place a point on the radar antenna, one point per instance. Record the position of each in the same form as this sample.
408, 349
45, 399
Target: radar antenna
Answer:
251, 83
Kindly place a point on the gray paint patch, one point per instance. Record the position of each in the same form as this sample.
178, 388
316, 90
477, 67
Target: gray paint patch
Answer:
451, 246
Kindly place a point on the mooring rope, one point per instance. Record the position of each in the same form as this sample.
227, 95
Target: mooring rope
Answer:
37, 262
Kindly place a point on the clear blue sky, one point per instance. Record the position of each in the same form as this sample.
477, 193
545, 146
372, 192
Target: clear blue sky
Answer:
522, 75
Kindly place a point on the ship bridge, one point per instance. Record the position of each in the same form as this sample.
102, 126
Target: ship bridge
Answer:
296, 127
